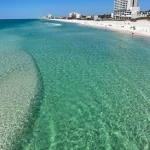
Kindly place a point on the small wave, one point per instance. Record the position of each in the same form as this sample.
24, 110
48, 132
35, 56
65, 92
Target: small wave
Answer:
53, 24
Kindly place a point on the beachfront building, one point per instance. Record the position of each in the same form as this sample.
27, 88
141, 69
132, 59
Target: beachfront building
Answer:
96, 18
132, 3
126, 9
102, 17
44, 17
74, 15
112, 15
88, 17
145, 13
83, 17
49, 16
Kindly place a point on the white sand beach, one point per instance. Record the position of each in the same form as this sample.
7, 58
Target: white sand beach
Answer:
141, 27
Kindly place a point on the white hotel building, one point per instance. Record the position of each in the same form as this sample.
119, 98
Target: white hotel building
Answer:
126, 9
75, 15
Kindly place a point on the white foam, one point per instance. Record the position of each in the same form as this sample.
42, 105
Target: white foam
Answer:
53, 24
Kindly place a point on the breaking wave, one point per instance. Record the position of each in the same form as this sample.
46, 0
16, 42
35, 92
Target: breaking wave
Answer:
53, 24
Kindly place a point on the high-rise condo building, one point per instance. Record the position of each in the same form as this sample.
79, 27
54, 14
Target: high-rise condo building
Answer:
132, 3
120, 4
125, 9
75, 15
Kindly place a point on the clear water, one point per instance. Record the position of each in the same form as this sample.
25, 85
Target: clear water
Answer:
96, 86
19, 85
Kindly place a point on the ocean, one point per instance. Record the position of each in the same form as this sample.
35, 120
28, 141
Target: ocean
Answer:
69, 87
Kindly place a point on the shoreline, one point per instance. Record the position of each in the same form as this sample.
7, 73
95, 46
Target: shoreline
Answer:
142, 27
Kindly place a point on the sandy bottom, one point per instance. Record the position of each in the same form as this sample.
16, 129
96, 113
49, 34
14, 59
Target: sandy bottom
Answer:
17, 89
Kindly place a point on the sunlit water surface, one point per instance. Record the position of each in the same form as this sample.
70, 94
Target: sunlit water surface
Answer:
96, 87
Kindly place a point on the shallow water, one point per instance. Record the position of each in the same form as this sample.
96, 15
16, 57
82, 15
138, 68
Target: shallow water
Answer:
18, 87
96, 86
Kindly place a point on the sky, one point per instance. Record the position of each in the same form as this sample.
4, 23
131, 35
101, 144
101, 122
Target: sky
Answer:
15, 9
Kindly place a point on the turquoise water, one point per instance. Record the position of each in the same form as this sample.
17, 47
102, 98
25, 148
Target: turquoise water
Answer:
96, 86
